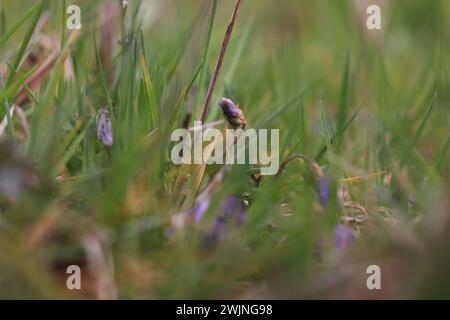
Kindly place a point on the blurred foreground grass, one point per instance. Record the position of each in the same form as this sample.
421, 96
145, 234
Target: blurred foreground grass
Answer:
372, 108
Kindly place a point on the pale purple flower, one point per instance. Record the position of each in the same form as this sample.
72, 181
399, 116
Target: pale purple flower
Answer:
324, 191
228, 107
232, 113
199, 209
232, 208
343, 237
215, 234
104, 128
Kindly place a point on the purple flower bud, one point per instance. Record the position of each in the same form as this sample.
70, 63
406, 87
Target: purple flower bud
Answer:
104, 128
343, 237
228, 107
232, 113
324, 191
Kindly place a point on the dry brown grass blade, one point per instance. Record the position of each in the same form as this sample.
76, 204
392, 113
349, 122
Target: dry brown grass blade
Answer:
226, 39
33, 81
108, 14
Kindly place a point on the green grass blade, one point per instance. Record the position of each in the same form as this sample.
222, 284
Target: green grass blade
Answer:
72, 149
149, 92
322, 151
205, 56
19, 23
181, 99
441, 158
25, 42
343, 103
424, 121
325, 127
273, 116
10, 125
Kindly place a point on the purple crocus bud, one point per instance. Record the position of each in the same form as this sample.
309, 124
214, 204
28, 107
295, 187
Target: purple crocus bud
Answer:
104, 128
343, 237
324, 191
232, 113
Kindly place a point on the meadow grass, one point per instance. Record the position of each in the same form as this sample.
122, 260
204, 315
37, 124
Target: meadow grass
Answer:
363, 114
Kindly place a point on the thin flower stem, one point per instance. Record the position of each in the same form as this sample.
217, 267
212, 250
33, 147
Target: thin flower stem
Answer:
226, 39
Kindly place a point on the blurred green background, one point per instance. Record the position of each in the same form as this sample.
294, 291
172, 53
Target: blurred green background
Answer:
376, 100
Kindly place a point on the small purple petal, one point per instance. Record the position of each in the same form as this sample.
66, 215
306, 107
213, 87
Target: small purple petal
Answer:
343, 237
324, 191
104, 128
199, 209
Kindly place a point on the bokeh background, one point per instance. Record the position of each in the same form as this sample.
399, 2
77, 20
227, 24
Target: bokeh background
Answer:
371, 107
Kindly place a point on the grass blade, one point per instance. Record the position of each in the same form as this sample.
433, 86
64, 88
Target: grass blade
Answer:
280, 111
325, 127
149, 92
322, 151
25, 41
343, 103
424, 121
226, 39
19, 23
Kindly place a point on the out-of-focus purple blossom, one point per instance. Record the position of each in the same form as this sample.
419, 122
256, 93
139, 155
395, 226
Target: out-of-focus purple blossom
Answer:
215, 234
199, 209
12, 181
324, 191
343, 237
16, 174
232, 113
323, 184
104, 128
233, 208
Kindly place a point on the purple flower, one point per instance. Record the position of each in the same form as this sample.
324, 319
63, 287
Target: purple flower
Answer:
343, 237
229, 108
232, 208
104, 128
215, 234
199, 209
324, 191
324, 187
232, 113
